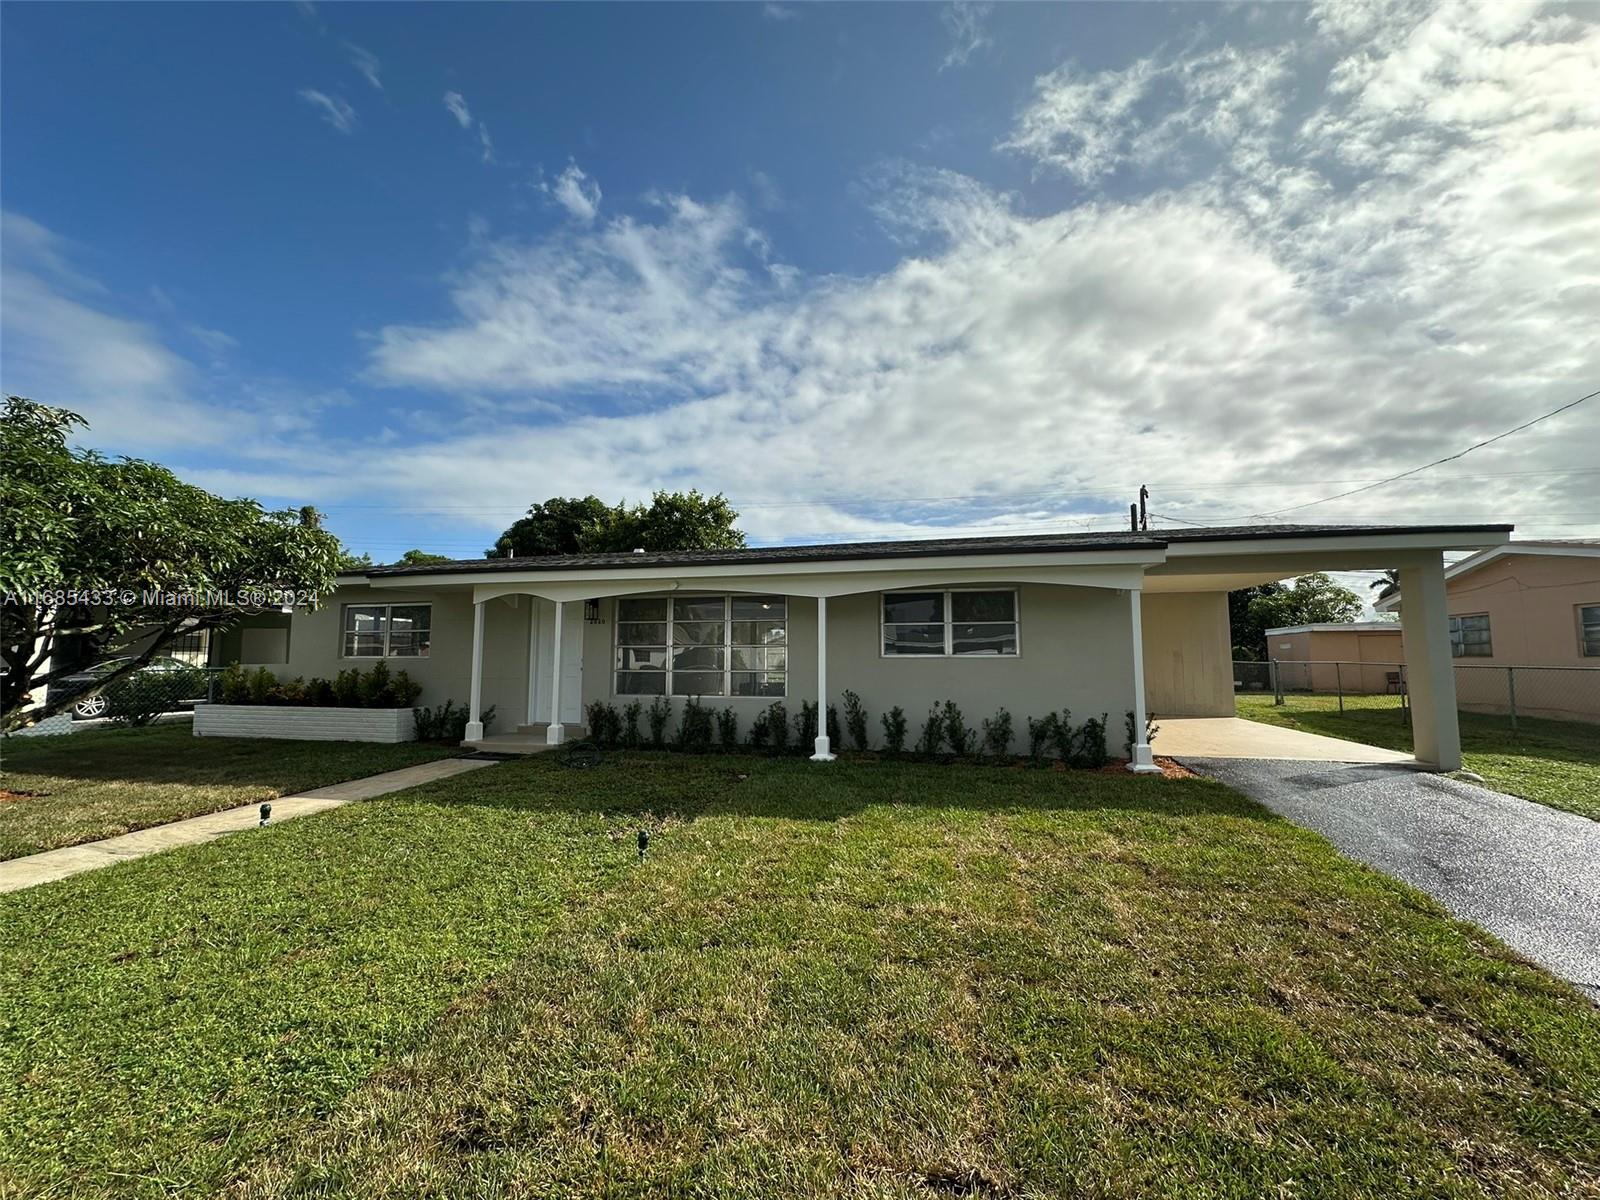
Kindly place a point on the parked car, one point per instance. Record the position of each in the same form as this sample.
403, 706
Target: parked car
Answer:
180, 672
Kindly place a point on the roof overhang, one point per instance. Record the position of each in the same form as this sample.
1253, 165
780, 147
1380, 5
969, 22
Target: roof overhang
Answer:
1473, 562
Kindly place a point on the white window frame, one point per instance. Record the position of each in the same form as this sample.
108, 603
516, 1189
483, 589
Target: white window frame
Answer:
1583, 641
727, 645
1458, 643
344, 632
950, 622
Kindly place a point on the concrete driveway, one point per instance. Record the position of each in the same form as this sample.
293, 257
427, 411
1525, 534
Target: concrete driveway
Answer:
1236, 737
1528, 874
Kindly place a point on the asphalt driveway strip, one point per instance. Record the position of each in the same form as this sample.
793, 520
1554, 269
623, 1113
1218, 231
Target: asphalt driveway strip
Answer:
1528, 874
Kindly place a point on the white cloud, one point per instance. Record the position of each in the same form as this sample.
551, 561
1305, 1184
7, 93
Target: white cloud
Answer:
458, 109
335, 111
966, 23
366, 63
780, 12
484, 144
576, 192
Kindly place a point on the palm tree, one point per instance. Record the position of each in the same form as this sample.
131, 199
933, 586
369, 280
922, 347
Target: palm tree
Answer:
1387, 584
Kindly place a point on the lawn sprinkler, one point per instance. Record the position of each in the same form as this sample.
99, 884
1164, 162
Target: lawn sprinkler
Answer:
266, 815
644, 843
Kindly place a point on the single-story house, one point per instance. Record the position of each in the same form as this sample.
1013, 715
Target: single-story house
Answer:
1352, 656
1109, 623
1533, 604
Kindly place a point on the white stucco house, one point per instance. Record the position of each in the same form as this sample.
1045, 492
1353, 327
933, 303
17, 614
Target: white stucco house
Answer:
1095, 622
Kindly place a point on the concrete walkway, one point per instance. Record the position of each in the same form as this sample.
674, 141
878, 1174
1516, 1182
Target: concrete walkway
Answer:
1528, 874
1235, 737
51, 865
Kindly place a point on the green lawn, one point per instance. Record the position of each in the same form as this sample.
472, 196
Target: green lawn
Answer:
871, 978
1551, 762
81, 787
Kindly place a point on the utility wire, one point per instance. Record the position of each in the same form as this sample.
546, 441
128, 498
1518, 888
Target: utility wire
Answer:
1436, 462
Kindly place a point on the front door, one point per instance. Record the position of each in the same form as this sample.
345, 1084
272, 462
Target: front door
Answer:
544, 621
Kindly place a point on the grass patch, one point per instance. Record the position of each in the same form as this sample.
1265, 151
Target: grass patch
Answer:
1550, 762
880, 978
82, 787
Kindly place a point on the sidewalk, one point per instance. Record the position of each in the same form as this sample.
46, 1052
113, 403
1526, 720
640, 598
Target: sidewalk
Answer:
35, 869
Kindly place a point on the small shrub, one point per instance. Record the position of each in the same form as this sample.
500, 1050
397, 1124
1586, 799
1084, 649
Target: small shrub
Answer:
319, 692
932, 736
373, 687
139, 697
761, 731
835, 738
631, 738
1063, 738
260, 686
778, 726
347, 688
728, 729
1091, 744
403, 691
235, 686
292, 692
805, 726
894, 730
1041, 735
658, 716
605, 724
956, 731
447, 723
694, 728
997, 734
855, 719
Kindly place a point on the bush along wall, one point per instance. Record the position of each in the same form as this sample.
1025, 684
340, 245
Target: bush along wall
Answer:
374, 688
944, 736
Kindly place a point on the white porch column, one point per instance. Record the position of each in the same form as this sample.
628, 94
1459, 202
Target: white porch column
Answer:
824, 752
533, 658
1430, 671
1142, 761
554, 733
475, 700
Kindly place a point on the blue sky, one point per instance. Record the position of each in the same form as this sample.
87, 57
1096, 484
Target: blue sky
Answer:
892, 270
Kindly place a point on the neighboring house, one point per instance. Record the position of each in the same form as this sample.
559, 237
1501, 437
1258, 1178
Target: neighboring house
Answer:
1368, 654
1525, 604
1095, 622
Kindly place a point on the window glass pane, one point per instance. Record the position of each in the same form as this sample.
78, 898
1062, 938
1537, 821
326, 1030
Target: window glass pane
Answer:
642, 633
638, 658
697, 658
697, 683
759, 608
635, 683
363, 645
983, 606
698, 633
650, 608
984, 639
907, 607
758, 660
757, 683
698, 608
408, 645
409, 634
759, 633
1590, 616
363, 618
913, 639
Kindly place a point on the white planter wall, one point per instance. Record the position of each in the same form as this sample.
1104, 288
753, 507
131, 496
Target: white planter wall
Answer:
304, 724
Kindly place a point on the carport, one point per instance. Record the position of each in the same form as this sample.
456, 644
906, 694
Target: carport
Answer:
1235, 737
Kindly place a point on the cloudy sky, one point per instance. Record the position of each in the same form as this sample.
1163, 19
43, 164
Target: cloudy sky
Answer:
871, 270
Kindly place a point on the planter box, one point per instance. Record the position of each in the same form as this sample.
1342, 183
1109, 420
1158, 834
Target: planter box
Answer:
305, 723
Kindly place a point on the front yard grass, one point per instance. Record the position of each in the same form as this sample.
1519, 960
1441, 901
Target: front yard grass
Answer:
81, 787
873, 978
1550, 762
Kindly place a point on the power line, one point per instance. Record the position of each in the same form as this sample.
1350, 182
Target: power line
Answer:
1436, 462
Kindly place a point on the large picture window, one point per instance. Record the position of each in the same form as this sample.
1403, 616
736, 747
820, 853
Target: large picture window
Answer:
950, 623
387, 630
1469, 636
702, 646
1589, 630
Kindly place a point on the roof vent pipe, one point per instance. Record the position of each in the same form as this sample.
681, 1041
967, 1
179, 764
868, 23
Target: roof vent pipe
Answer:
1133, 517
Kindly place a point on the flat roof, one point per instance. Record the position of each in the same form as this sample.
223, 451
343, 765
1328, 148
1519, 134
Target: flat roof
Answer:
1341, 627
1044, 543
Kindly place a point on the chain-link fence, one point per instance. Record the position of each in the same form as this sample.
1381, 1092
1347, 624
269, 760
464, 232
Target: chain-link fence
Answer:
137, 697
1517, 694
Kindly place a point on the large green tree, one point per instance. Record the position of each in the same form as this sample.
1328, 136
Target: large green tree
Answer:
97, 550
671, 521
1313, 599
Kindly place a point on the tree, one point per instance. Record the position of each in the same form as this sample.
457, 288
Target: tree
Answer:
96, 549
1387, 584
671, 521
421, 558
1249, 637
1313, 599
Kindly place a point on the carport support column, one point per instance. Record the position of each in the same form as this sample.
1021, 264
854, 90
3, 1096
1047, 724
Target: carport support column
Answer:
554, 732
475, 697
824, 752
1430, 671
1142, 761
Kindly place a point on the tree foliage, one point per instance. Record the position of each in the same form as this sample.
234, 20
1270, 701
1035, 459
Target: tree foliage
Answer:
671, 521
1313, 599
96, 549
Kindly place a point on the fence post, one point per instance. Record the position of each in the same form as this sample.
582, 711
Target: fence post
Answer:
1277, 683
1511, 693
1338, 683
